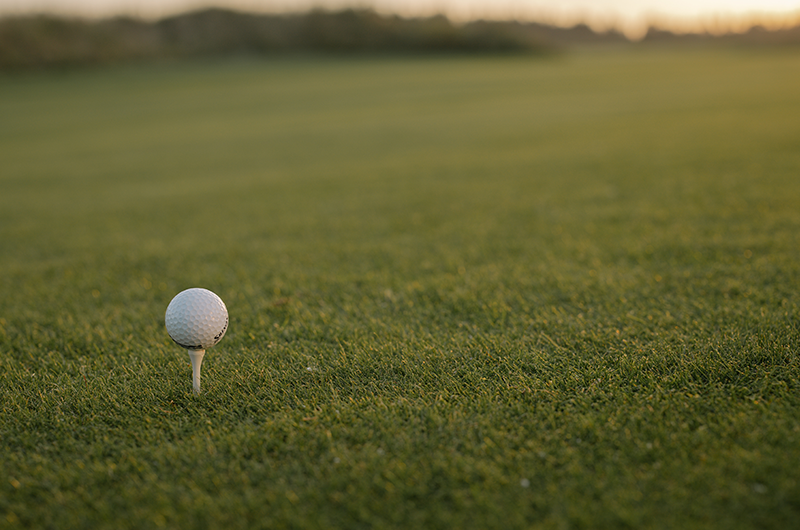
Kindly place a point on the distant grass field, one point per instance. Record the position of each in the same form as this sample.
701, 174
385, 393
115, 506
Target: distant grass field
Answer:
464, 293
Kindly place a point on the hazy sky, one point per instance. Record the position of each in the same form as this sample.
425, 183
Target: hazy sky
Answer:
630, 15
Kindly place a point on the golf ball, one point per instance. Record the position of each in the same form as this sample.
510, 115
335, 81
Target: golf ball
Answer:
196, 319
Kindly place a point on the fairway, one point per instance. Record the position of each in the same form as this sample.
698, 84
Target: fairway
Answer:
493, 292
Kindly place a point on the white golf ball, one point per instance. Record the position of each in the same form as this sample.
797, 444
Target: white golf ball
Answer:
196, 319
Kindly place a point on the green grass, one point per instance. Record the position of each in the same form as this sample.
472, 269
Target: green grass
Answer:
464, 293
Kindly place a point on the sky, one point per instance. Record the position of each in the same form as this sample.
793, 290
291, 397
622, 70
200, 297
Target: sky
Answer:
630, 16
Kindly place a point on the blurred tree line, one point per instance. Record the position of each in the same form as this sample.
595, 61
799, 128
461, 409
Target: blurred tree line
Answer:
45, 40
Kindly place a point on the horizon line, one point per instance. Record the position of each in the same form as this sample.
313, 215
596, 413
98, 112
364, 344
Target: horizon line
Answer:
634, 28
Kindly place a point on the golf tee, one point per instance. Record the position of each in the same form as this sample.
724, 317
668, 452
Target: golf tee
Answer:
197, 362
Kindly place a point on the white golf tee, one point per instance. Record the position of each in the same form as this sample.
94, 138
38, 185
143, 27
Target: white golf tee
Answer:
197, 362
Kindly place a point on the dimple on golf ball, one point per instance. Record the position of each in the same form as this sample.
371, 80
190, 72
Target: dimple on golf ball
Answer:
196, 319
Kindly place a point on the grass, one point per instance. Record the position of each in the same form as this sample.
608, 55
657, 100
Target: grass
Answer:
464, 293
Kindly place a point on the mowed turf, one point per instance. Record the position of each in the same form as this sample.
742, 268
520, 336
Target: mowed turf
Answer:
463, 292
